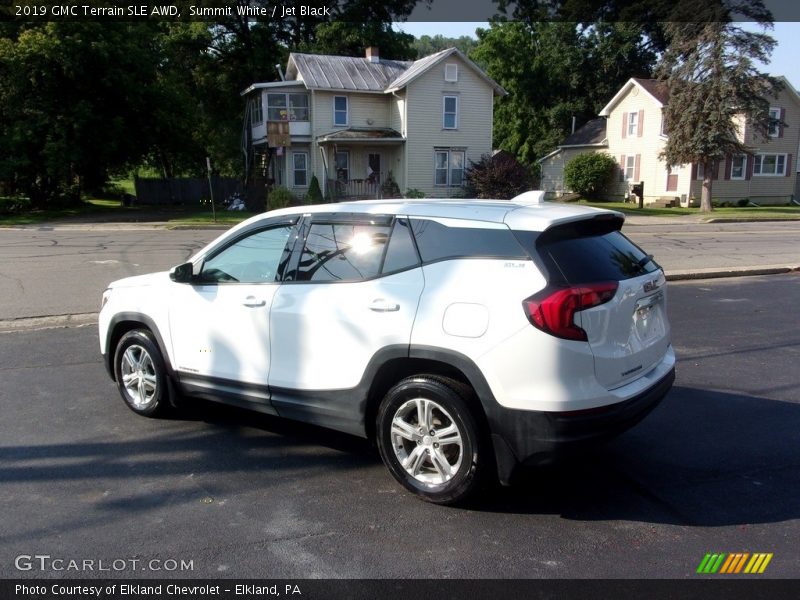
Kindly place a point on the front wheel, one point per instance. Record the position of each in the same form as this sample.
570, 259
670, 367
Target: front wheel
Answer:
140, 373
429, 439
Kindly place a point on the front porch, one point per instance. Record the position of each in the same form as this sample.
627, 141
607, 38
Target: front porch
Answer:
361, 164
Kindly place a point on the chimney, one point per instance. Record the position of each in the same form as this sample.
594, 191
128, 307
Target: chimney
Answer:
372, 54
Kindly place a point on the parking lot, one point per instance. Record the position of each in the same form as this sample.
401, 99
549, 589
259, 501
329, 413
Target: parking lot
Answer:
225, 493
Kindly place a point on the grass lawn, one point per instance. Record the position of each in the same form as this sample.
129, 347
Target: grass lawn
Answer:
110, 210
766, 212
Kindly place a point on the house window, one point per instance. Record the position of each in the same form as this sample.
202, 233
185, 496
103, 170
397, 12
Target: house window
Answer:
450, 112
448, 168
701, 171
300, 168
298, 107
340, 116
769, 164
633, 123
774, 126
277, 107
287, 107
451, 72
663, 124
738, 166
630, 167
342, 162
256, 111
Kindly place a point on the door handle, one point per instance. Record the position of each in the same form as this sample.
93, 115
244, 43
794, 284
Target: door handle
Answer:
381, 305
253, 302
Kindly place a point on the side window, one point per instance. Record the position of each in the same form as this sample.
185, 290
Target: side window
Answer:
342, 252
253, 259
437, 241
401, 253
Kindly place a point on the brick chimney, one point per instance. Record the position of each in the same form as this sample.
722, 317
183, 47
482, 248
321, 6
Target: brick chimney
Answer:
373, 55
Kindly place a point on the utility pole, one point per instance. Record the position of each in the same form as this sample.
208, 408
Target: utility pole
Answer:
211, 189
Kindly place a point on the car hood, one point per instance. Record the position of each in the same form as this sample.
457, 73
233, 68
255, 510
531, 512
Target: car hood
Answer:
141, 280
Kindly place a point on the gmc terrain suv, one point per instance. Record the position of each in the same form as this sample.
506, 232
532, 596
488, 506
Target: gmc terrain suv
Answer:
465, 337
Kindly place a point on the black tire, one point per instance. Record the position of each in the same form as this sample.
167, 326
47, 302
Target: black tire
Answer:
138, 360
424, 453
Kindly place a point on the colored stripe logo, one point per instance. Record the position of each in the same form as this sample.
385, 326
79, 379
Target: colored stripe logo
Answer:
737, 562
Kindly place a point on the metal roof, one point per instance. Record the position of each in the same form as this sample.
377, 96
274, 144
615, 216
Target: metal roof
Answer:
346, 73
350, 73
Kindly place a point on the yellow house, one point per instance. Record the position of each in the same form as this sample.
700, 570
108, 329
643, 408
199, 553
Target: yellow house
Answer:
635, 136
370, 127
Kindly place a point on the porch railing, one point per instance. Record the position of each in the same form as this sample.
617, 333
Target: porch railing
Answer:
356, 189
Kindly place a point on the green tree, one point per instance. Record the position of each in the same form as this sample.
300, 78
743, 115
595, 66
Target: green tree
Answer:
710, 71
554, 71
589, 173
427, 45
73, 105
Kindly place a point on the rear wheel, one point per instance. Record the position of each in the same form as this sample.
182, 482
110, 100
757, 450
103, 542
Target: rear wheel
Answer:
429, 439
140, 373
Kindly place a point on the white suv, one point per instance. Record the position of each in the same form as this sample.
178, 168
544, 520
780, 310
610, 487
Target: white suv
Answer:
465, 337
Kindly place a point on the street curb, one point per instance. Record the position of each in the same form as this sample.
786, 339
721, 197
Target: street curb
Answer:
745, 220
47, 322
729, 272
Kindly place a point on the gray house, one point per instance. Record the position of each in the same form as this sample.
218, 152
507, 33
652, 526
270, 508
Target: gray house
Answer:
370, 127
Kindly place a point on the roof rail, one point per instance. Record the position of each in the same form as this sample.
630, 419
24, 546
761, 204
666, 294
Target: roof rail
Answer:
530, 197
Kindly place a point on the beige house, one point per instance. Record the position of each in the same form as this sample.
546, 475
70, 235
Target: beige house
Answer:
370, 127
634, 135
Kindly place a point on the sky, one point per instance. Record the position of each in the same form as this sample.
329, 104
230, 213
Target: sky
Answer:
785, 57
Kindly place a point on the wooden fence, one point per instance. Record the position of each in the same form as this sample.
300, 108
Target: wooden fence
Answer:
184, 190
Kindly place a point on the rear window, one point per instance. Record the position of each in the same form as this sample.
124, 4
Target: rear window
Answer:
439, 242
588, 252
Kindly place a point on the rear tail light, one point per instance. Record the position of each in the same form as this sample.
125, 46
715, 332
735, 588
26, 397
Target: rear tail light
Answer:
553, 309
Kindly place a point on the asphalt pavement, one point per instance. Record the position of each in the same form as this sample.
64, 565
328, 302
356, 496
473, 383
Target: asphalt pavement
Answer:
227, 493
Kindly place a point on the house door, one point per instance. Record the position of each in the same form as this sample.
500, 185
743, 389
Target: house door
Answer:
672, 181
374, 168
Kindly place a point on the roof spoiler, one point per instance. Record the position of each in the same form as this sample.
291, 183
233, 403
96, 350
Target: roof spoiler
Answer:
529, 198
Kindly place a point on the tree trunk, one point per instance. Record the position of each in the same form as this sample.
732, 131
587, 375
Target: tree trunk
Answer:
705, 195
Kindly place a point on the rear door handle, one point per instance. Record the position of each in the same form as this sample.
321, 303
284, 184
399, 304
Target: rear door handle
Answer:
381, 305
252, 302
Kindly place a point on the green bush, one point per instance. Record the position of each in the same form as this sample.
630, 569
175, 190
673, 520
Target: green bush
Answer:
414, 193
314, 195
743, 202
279, 197
500, 176
589, 174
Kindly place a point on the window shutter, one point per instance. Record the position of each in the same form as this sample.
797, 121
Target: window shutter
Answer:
622, 167
624, 128
749, 161
728, 165
640, 124
694, 171
788, 165
636, 164
780, 127
714, 169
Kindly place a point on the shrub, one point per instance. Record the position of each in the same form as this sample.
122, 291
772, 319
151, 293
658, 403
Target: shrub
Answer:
500, 176
279, 197
389, 188
589, 174
314, 195
414, 193
14, 205
743, 202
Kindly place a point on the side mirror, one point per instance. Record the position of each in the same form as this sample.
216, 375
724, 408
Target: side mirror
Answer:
182, 273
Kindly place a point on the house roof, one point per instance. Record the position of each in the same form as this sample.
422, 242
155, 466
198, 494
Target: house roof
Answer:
592, 133
654, 88
356, 74
345, 73
422, 65
362, 134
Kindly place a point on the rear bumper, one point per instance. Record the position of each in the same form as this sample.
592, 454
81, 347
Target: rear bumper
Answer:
536, 437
